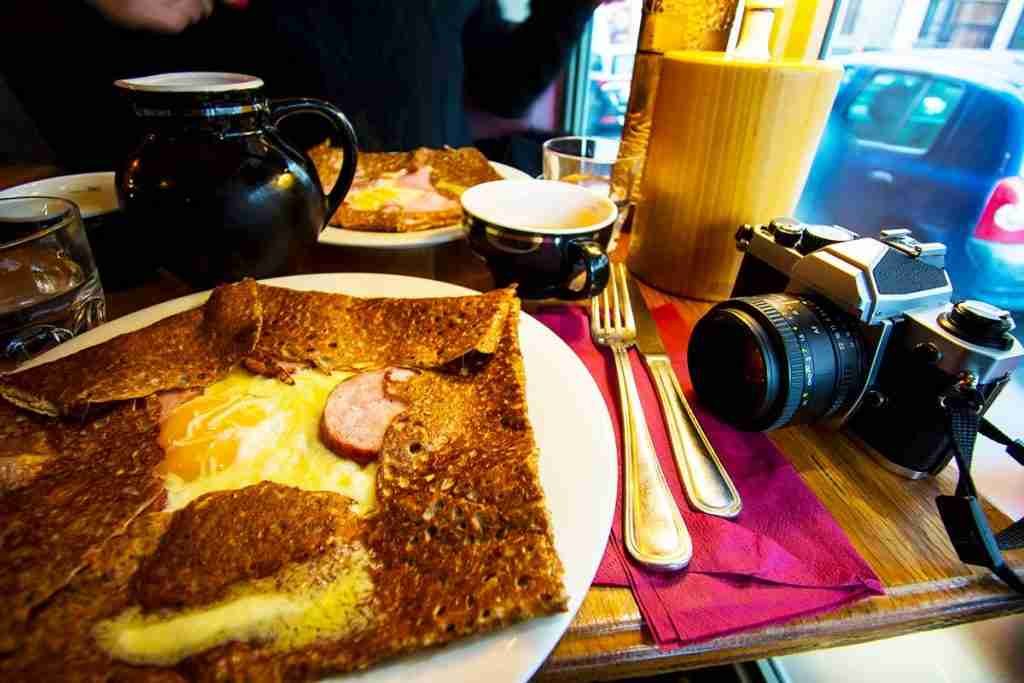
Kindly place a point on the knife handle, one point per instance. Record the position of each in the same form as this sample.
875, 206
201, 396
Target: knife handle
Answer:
708, 486
656, 535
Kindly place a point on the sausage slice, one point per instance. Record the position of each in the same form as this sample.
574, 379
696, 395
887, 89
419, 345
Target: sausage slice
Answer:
359, 412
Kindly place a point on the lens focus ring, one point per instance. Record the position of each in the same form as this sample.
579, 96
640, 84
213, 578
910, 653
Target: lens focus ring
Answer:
848, 350
799, 365
763, 362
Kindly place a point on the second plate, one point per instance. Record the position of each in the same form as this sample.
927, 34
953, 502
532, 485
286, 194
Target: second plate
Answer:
406, 240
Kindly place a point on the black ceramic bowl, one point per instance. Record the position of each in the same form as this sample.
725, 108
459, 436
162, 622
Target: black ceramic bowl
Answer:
548, 237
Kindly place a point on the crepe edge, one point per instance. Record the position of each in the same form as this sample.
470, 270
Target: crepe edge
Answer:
220, 315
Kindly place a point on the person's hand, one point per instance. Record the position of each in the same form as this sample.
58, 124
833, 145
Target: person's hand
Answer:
161, 16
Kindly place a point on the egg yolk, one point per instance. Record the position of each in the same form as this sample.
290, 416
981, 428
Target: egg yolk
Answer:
203, 436
246, 429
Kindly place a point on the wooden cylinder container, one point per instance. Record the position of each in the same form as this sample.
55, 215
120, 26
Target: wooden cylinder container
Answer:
732, 142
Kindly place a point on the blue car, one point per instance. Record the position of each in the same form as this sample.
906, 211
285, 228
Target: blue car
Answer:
931, 140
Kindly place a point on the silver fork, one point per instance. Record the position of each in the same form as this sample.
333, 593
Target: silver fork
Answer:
656, 535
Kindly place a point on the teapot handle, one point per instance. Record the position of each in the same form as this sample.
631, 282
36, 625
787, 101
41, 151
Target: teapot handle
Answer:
282, 109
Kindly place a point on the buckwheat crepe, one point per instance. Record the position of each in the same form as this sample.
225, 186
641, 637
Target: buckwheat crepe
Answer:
403, 191
101, 578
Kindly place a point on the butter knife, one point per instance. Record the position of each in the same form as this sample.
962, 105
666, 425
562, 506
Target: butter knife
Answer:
708, 486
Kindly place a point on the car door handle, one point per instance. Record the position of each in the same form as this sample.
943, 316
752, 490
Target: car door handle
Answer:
881, 177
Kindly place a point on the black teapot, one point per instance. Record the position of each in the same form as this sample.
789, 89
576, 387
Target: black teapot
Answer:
212, 191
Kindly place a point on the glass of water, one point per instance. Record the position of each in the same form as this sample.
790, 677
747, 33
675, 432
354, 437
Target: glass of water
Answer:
49, 287
594, 163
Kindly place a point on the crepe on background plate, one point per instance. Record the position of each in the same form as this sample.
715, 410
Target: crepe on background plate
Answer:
403, 191
270, 580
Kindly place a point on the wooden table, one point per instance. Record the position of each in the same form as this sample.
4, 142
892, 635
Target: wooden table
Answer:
892, 522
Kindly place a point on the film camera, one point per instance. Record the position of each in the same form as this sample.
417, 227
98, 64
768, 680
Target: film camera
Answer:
857, 332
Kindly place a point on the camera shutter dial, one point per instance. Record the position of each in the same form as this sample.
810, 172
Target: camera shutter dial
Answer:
816, 237
979, 323
786, 232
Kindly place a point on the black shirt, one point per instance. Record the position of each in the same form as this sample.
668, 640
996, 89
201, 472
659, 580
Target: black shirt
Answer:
402, 70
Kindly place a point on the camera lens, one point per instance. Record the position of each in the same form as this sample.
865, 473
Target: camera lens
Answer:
763, 362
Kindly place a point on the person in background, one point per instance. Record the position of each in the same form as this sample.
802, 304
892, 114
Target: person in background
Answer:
403, 70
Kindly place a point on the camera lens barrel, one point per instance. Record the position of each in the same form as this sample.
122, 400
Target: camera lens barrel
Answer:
763, 362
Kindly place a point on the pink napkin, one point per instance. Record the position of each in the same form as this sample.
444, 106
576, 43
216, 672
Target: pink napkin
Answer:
783, 557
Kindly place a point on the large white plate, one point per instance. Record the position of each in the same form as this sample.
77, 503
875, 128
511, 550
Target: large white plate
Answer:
406, 240
578, 470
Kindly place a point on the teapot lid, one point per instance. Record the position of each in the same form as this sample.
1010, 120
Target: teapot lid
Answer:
191, 82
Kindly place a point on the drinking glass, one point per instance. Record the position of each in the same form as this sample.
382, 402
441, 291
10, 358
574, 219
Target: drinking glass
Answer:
49, 287
594, 163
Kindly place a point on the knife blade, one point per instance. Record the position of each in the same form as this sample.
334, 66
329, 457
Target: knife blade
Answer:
708, 486
647, 338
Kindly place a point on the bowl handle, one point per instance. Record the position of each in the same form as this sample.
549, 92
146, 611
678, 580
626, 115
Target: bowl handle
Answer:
595, 265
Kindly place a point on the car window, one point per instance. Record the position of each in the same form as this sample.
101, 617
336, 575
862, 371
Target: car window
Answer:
903, 109
933, 108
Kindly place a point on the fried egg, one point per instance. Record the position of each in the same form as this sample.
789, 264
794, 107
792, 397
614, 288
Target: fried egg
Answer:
246, 429
242, 430
383, 194
402, 190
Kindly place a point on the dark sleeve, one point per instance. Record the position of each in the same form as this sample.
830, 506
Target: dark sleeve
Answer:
508, 65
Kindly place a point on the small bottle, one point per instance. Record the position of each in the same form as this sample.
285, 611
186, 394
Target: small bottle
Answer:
669, 25
756, 30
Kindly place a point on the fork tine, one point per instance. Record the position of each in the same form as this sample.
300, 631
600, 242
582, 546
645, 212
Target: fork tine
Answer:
627, 304
595, 315
617, 301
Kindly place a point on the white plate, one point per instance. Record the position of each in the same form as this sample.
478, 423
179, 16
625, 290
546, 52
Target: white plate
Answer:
578, 470
406, 240
94, 193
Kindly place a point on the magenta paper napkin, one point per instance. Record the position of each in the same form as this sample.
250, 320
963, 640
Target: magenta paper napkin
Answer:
783, 557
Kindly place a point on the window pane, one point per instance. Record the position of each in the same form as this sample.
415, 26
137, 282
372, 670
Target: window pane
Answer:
961, 23
1017, 41
612, 48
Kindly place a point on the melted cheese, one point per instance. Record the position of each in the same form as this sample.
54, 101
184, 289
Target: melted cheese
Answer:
245, 429
377, 197
328, 598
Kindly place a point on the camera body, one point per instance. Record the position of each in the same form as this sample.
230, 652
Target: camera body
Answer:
871, 320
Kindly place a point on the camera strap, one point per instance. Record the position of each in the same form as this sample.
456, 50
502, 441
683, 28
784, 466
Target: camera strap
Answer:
961, 513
